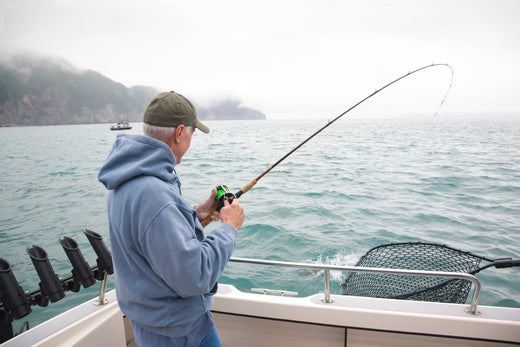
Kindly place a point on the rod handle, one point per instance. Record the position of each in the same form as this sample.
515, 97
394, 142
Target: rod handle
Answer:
204, 222
245, 188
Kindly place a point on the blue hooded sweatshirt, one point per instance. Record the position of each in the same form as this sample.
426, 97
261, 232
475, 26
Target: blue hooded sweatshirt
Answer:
166, 270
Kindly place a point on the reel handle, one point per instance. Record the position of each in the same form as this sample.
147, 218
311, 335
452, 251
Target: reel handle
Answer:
223, 194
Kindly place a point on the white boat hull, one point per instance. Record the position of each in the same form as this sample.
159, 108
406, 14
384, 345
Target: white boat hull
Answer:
248, 319
265, 320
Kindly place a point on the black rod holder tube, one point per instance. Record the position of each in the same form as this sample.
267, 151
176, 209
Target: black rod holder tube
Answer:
104, 260
80, 267
50, 283
13, 296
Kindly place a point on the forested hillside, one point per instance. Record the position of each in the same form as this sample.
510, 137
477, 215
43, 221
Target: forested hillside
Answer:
49, 92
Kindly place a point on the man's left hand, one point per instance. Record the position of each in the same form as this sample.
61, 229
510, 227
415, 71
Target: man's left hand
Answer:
208, 207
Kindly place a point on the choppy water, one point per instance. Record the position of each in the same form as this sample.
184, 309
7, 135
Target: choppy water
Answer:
359, 184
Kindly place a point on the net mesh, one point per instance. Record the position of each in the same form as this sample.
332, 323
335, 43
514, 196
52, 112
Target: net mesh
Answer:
413, 256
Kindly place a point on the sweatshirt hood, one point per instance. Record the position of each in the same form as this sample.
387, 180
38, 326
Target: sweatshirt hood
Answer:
137, 155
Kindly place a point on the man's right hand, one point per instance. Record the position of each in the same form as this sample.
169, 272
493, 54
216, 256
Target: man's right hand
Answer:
233, 214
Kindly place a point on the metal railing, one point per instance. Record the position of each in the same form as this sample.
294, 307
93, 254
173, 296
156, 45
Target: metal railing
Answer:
327, 268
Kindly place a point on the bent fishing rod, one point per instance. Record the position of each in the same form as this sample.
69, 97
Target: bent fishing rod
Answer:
223, 192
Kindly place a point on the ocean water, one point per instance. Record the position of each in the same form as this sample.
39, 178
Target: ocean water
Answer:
358, 184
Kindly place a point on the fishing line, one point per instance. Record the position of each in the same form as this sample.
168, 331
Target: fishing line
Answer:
223, 193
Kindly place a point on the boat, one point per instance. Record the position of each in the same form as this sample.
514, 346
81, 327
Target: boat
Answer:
121, 126
275, 317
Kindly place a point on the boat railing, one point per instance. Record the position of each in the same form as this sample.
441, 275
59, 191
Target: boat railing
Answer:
472, 309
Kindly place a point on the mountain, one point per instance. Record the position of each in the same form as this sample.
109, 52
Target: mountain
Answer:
37, 91
230, 109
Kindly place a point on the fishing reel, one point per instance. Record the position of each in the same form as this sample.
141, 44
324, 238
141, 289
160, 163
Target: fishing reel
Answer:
224, 194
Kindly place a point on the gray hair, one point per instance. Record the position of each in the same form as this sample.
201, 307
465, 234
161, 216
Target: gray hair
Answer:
163, 134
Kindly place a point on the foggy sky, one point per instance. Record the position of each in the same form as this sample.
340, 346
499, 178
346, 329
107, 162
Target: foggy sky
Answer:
289, 59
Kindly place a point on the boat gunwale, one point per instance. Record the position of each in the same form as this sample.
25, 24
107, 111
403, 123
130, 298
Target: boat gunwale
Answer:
472, 309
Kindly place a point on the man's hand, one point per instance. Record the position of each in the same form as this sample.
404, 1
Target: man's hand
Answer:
208, 207
233, 214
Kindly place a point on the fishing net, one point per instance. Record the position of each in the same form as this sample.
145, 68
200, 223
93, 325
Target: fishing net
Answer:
414, 256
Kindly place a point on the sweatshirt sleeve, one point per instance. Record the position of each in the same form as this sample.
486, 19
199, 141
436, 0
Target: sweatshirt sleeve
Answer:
186, 264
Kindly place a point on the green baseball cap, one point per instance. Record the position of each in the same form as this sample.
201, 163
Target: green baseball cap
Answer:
170, 109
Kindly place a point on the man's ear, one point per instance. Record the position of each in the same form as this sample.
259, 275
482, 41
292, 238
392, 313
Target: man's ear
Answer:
178, 132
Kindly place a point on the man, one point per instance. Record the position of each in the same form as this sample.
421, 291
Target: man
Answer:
166, 270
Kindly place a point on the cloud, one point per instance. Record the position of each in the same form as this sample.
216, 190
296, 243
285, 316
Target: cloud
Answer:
289, 58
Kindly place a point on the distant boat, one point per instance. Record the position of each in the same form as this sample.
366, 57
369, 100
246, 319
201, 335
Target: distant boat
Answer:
121, 126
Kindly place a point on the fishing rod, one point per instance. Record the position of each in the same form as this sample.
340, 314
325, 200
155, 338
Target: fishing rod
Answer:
223, 192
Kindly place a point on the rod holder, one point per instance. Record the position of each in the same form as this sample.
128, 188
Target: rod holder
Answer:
81, 271
104, 260
12, 294
50, 283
